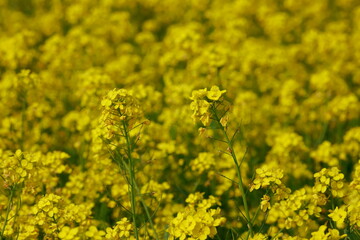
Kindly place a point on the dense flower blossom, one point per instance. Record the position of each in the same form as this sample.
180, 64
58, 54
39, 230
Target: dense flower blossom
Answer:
338, 215
202, 101
330, 179
198, 221
101, 102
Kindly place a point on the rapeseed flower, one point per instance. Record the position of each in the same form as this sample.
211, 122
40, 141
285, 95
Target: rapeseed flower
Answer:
97, 138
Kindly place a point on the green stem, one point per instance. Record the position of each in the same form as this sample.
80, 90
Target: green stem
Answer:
255, 216
149, 217
132, 179
277, 234
8, 209
238, 172
258, 211
18, 206
134, 187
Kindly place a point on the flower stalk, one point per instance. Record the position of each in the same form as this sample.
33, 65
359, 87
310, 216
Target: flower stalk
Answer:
237, 167
8, 209
122, 114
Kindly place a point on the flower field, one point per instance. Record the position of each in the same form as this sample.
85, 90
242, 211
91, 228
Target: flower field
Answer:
180, 119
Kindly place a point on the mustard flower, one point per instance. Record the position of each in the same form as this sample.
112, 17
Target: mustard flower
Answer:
338, 215
320, 234
265, 203
119, 105
202, 101
94, 233
68, 233
330, 179
198, 220
203, 162
215, 93
267, 177
291, 76
332, 234
122, 229
259, 236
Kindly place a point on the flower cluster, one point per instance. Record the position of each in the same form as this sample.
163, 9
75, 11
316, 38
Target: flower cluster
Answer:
203, 162
294, 211
331, 180
330, 234
326, 153
288, 147
338, 215
68, 233
47, 207
274, 87
352, 142
202, 101
268, 177
198, 221
121, 230
119, 107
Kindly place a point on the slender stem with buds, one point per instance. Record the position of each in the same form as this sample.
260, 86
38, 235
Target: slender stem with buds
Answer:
133, 186
238, 172
132, 178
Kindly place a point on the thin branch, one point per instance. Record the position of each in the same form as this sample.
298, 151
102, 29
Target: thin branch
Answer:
216, 139
242, 159
226, 177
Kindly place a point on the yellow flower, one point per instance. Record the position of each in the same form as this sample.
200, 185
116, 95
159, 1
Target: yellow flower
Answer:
215, 93
338, 215
320, 234
258, 236
335, 234
265, 203
197, 221
68, 233
202, 163
198, 94
94, 233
